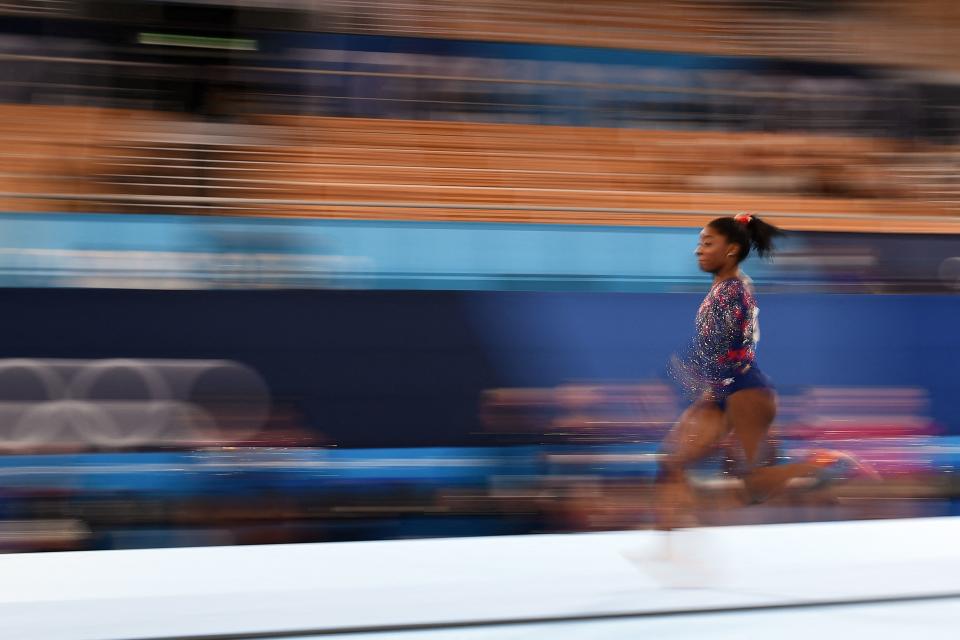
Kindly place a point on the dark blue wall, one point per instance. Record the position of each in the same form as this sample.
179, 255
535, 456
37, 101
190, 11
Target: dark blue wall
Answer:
394, 368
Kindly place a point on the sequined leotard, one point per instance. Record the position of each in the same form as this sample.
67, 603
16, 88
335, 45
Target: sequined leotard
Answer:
722, 358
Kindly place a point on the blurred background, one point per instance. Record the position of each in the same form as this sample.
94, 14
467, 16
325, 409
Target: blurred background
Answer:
309, 270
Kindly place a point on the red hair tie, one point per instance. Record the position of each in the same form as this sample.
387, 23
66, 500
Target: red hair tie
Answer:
743, 218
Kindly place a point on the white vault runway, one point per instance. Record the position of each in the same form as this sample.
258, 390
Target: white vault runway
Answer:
891, 577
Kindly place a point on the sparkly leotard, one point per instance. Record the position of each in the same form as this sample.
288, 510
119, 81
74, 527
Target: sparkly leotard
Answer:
722, 358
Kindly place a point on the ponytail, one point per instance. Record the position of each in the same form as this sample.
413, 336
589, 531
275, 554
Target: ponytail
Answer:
748, 231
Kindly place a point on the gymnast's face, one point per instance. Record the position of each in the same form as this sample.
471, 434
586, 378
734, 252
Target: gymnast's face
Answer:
714, 251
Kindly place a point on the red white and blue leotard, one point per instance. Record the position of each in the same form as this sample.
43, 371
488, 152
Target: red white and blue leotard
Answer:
722, 358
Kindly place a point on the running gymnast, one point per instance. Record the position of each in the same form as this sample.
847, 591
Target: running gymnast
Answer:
732, 396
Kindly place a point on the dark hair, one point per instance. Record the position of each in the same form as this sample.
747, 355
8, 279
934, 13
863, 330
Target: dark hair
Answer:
747, 231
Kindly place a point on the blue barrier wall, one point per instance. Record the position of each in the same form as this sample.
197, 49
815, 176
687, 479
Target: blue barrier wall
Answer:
90, 250
393, 368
